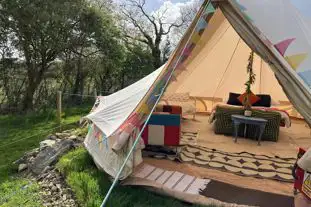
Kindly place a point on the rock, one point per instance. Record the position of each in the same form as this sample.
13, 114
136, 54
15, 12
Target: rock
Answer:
22, 167
72, 137
54, 189
52, 137
50, 155
63, 135
47, 143
64, 197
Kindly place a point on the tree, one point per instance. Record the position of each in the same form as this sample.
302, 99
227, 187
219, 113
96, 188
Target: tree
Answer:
40, 30
148, 28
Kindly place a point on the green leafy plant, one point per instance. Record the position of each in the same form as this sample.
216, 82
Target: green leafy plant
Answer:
251, 80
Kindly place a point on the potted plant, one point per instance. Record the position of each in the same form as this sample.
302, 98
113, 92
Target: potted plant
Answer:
248, 92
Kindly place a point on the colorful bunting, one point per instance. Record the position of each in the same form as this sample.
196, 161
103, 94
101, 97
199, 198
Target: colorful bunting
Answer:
283, 45
173, 78
201, 25
242, 8
296, 60
306, 76
195, 38
209, 9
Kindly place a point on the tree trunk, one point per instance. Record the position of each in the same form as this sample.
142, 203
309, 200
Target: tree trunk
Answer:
78, 88
30, 91
156, 54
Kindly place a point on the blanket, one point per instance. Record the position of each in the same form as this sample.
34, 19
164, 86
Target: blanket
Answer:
285, 119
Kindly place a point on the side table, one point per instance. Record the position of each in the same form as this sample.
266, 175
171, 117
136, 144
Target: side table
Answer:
238, 119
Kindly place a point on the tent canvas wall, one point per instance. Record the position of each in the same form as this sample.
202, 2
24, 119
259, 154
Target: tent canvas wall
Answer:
217, 66
280, 37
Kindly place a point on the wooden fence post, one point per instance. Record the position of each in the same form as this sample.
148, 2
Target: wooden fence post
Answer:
59, 109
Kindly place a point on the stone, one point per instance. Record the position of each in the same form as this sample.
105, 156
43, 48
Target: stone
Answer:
50, 155
22, 167
64, 197
63, 135
52, 137
72, 137
47, 143
54, 189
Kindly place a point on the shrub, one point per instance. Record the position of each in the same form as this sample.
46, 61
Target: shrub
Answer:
19, 192
75, 161
86, 188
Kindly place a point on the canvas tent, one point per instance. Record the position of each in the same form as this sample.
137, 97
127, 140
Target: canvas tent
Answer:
210, 61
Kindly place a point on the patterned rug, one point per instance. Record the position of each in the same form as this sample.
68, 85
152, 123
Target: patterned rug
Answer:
188, 138
243, 163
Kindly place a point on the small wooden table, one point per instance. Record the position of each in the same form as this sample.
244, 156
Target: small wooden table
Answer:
238, 119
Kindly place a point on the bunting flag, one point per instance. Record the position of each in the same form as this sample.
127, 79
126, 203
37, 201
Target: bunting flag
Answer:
209, 10
173, 78
242, 8
201, 25
306, 76
248, 17
187, 50
283, 45
296, 60
195, 38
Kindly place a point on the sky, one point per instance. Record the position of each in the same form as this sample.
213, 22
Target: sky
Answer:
153, 5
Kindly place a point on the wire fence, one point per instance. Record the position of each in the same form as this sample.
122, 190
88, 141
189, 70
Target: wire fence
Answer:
24, 132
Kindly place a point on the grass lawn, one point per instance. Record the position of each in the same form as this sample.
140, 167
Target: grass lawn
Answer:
20, 133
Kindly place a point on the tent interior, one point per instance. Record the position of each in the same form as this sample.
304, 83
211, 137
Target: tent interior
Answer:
216, 67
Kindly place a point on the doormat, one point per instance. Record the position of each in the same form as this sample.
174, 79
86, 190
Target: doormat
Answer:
244, 163
233, 194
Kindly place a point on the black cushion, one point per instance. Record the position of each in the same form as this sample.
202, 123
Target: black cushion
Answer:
233, 99
265, 100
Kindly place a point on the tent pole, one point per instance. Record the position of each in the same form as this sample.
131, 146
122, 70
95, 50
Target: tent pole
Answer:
145, 124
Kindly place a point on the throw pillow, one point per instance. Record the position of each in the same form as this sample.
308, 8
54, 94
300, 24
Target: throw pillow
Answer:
253, 98
233, 99
265, 100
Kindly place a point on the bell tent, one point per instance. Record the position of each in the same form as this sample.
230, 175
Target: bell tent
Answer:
209, 62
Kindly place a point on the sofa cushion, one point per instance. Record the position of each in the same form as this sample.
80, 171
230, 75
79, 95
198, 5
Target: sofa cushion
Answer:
265, 100
233, 99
